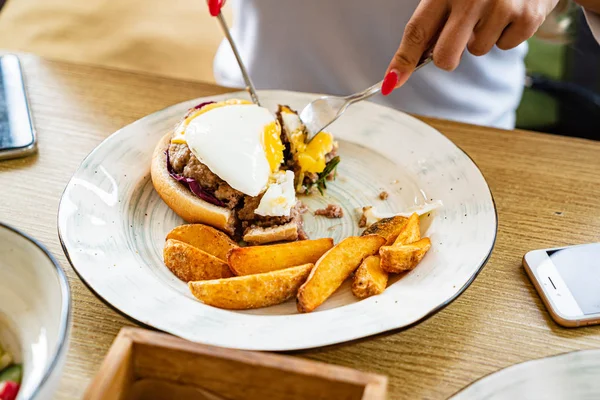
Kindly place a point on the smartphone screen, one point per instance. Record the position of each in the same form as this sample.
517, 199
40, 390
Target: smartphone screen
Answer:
579, 267
17, 136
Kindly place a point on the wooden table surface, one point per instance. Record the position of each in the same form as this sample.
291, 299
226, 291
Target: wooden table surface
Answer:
547, 190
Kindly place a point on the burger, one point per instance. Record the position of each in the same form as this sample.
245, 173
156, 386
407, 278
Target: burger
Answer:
235, 166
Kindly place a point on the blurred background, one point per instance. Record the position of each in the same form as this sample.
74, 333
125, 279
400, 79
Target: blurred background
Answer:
175, 38
178, 38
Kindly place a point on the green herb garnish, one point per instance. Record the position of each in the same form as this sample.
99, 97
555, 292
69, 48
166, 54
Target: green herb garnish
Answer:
321, 181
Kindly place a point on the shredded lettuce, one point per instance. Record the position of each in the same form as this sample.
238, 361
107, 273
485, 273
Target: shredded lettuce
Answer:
321, 182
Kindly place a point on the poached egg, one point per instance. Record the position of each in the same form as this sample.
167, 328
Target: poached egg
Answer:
241, 143
280, 196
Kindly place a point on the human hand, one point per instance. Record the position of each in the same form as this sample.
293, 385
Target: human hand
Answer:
458, 24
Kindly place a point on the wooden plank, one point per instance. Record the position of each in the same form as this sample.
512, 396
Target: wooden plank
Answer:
116, 374
152, 389
163, 361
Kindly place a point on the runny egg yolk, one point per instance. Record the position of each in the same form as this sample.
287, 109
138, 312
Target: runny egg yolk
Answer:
179, 136
273, 145
312, 159
311, 156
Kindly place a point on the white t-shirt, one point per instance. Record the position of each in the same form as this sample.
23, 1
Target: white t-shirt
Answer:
344, 46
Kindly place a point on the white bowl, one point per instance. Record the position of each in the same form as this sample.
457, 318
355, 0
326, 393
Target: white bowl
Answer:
35, 308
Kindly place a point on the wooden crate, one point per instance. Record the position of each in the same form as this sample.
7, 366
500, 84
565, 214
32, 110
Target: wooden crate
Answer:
142, 364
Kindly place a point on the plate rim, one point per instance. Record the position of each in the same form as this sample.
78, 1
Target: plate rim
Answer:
521, 364
66, 309
426, 316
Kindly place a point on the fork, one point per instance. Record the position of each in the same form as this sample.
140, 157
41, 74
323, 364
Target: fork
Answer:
214, 7
322, 112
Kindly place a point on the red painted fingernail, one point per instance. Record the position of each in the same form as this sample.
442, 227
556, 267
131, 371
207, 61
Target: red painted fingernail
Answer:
9, 390
214, 7
389, 83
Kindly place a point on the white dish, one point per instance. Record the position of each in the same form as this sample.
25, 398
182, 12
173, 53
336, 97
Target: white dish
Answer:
34, 311
572, 376
113, 224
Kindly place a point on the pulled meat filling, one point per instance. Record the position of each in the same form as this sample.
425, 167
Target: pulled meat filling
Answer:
331, 211
285, 140
250, 219
179, 155
267, 222
329, 156
184, 162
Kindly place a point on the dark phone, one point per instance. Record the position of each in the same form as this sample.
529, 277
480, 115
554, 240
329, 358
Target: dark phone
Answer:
17, 135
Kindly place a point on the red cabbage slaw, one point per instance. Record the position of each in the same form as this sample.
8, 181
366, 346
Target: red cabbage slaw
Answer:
199, 106
193, 185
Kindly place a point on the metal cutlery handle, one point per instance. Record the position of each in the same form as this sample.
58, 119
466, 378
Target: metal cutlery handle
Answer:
216, 6
320, 113
365, 94
376, 88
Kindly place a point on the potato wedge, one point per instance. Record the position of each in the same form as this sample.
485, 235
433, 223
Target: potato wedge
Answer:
410, 233
404, 258
334, 267
251, 291
189, 263
259, 259
387, 228
204, 237
369, 278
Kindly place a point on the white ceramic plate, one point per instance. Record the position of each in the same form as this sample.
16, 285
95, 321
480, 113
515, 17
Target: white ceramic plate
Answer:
34, 312
572, 376
113, 225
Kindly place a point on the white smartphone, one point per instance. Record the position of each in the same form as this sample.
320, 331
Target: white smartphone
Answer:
568, 281
17, 135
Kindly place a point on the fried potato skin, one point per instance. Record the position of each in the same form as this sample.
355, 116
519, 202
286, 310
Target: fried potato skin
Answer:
260, 259
251, 291
189, 263
334, 267
369, 279
205, 238
411, 232
387, 228
396, 259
